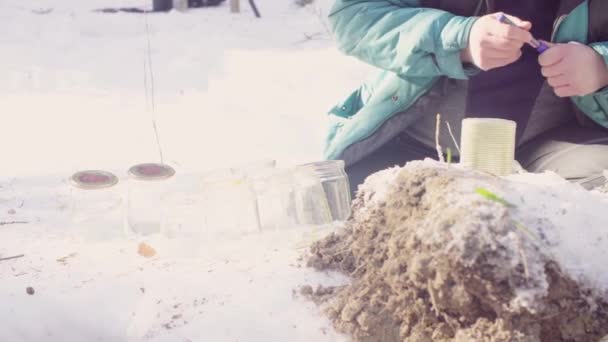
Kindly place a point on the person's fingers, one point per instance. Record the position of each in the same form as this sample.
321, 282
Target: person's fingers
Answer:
492, 53
504, 43
552, 56
553, 70
549, 44
510, 32
514, 57
526, 25
558, 81
565, 91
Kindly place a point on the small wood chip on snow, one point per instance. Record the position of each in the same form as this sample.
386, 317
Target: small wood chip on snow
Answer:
146, 250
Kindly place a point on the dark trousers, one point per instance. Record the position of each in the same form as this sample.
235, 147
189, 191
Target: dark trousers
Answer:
579, 154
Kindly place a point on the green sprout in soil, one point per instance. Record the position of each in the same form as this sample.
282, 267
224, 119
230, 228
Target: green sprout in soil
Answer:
449, 155
495, 198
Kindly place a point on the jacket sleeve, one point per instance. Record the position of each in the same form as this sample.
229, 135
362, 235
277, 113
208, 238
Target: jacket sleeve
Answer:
602, 49
596, 105
402, 37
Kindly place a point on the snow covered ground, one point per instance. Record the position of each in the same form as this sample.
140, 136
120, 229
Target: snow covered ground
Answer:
228, 88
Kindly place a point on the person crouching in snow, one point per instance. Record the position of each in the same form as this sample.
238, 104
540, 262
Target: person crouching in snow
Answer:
455, 57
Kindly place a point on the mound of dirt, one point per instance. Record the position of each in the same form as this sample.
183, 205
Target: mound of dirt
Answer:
432, 259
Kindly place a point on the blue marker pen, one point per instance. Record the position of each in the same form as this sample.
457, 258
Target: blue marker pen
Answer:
537, 44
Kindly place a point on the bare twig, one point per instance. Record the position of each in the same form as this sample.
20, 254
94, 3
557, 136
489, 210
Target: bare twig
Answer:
6, 223
360, 267
449, 320
526, 230
437, 145
524, 259
550, 317
452, 135
433, 300
152, 100
12, 257
64, 260
318, 11
308, 37
254, 8
42, 11
342, 251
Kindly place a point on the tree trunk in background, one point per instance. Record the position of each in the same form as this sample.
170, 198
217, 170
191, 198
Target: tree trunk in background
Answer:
162, 5
235, 6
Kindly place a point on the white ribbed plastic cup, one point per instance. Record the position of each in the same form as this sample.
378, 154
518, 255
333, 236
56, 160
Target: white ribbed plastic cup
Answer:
488, 145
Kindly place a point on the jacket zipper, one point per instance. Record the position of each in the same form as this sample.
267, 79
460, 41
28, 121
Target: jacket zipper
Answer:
556, 25
478, 8
489, 6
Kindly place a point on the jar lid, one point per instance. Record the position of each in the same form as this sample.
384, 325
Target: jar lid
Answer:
93, 179
151, 171
325, 164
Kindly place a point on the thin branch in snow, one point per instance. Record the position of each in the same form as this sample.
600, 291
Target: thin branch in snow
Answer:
308, 37
254, 8
12, 257
152, 100
6, 223
447, 123
318, 11
524, 258
433, 300
437, 145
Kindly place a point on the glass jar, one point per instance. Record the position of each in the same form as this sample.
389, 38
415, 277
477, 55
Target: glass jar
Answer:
336, 186
95, 205
254, 168
230, 204
312, 208
182, 223
275, 194
148, 183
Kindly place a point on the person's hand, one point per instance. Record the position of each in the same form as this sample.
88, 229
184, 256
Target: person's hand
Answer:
493, 44
573, 69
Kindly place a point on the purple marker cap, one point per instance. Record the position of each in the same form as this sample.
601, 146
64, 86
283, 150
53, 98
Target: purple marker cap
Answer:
503, 19
542, 47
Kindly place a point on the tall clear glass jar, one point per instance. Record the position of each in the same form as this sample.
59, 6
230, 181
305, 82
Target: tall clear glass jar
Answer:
183, 216
230, 204
336, 186
275, 193
148, 183
254, 168
311, 203
95, 205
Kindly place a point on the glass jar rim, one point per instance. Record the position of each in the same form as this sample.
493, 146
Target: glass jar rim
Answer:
93, 179
325, 163
327, 168
151, 171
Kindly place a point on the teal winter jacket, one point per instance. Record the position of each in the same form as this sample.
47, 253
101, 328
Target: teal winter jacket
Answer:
417, 43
